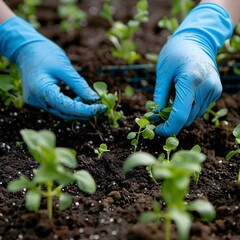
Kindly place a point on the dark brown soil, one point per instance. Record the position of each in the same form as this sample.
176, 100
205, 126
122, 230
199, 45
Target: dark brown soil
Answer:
112, 213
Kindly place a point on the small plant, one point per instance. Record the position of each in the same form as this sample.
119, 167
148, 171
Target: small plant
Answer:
216, 115
11, 87
111, 101
121, 34
236, 133
176, 176
72, 17
101, 149
27, 10
53, 173
155, 113
146, 130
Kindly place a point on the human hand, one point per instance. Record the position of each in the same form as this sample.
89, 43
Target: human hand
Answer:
187, 61
43, 65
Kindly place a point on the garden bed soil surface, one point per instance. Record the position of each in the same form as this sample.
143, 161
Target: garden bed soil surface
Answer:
112, 213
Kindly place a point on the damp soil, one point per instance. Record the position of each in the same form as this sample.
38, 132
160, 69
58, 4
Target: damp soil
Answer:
112, 213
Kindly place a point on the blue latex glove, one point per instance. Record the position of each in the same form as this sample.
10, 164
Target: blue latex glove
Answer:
43, 65
187, 61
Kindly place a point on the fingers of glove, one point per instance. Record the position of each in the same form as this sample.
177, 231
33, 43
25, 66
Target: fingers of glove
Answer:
59, 104
77, 83
180, 112
163, 83
207, 92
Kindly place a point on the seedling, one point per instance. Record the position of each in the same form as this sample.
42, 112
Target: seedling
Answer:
111, 101
216, 115
121, 34
11, 87
146, 130
27, 10
72, 17
53, 173
101, 149
236, 133
155, 113
176, 176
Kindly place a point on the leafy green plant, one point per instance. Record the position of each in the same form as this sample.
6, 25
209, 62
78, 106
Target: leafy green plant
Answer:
53, 173
11, 87
145, 129
121, 35
111, 101
72, 17
176, 175
101, 149
27, 10
216, 115
236, 133
155, 113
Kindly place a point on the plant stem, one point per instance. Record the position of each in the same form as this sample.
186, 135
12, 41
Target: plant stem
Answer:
167, 228
49, 199
138, 135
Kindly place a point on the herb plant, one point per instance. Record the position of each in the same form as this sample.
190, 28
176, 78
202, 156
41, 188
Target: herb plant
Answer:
111, 101
216, 115
121, 35
101, 149
27, 10
176, 175
72, 17
236, 133
145, 129
53, 173
157, 114
11, 87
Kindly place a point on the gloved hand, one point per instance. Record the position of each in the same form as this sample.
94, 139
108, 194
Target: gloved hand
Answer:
43, 65
187, 61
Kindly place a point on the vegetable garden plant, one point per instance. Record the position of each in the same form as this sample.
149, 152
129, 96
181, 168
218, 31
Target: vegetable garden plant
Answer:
80, 190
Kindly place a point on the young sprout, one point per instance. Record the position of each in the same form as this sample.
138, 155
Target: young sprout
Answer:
216, 115
101, 149
72, 17
110, 100
236, 133
144, 128
53, 173
121, 34
176, 176
155, 113
11, 87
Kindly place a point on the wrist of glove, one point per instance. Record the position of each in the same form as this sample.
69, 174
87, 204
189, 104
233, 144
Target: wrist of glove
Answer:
43, 65
187, 61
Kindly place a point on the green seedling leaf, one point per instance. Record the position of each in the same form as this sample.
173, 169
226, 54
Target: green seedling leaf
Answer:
148, 132
33, 199
134, 142
138, 159
187, 160
142, 122
65, 201
149, 216
236, 133
196, 148
85, 181
232, 153
18, 185
151, 105
66, 156
131, 135
100, 88
204, 208
171, 144
183, 221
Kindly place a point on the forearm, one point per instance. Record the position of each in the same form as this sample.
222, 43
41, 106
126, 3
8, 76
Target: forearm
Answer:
5, 12
232, 6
